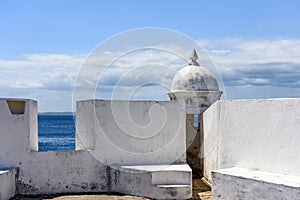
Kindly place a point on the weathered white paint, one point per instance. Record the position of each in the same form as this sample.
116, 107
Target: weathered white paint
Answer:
240, 183
133, 133
198, 89
196, 86
18, 132
196, 101
61, 172
254, 134
7, 183
83, 170
85, 125
194, 78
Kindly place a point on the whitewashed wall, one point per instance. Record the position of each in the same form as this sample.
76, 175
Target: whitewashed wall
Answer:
254, 134
61, 172
158, 138
132, 133
18, 132
43, 172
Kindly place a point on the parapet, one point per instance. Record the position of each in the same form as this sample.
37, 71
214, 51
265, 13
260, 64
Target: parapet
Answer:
132, 132
18, 122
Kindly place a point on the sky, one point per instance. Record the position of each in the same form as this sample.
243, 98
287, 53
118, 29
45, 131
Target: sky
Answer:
254, 45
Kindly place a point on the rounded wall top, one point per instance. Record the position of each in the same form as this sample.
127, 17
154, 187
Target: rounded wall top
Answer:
194, 78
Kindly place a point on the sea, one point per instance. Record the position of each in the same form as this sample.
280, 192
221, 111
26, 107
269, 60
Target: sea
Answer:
56, 132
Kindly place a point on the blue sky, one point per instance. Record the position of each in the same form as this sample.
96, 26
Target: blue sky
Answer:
255, 44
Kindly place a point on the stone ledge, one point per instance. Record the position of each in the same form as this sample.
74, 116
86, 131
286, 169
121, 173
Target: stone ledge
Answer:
239, 183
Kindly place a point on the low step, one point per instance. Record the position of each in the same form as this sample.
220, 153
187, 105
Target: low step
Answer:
171, 177
154, 181
173, 191
172, 174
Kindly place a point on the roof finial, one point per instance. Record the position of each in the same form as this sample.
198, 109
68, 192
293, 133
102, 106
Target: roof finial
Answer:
194, 58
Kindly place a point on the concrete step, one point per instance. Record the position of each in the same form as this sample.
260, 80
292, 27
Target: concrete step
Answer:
172, 191
166, 174
175, 177
156, 181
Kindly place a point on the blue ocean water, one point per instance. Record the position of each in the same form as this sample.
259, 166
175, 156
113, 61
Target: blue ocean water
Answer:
56, 132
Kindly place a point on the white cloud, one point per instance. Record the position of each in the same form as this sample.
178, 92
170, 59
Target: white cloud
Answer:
257, 62
246, 66
147, 68
43, 71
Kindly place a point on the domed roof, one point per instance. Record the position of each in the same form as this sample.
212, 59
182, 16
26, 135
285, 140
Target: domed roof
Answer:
194, 78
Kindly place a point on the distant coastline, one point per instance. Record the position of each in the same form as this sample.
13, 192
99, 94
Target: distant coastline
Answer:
56, 113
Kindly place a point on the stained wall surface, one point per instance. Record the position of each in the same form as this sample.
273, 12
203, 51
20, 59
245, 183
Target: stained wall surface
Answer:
253, 134
106, 136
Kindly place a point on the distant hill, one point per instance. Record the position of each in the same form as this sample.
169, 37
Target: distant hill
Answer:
56, 113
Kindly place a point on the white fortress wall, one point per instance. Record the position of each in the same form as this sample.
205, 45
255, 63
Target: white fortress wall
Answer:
132, 132
43, 172
110, 138
253, 134
61, 172
138, 140
18, 122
